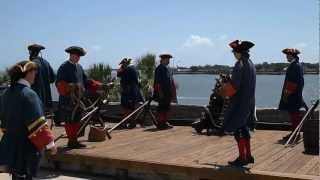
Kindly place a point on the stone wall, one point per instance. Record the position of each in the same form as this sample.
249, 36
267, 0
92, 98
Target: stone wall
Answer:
192, 112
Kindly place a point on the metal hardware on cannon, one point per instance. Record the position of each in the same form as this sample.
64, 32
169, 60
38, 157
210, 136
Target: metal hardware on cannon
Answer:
212, 117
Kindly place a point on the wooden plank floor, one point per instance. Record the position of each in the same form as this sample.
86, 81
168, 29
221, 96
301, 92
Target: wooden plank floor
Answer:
181, 146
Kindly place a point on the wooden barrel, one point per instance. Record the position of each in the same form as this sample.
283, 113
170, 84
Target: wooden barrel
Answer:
311, 134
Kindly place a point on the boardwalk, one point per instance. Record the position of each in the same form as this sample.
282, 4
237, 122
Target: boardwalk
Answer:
180, 151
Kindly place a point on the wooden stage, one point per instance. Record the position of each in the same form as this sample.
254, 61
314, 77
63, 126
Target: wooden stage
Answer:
179, 153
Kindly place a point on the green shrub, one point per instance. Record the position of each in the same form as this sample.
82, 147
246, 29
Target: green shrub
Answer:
4, 79
146, 65
100, 72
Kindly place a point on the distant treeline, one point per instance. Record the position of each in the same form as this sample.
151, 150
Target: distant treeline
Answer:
146, 64
264, 68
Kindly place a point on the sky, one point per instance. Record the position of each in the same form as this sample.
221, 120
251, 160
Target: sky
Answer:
194, 32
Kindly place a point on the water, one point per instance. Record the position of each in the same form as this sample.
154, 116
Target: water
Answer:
196, 89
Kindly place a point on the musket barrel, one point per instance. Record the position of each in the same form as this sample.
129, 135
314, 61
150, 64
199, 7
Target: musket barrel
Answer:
127, 117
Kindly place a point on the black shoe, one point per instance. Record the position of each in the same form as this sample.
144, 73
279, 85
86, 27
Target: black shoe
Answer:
75, 145
250, 160
238, 162
168, 126
164, 126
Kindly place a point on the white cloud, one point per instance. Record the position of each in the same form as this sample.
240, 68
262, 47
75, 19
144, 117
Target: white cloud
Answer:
223, 37
196, 40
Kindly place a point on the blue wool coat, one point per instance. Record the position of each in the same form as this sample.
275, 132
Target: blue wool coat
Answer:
163, 85
20, 108
130, 90
70, 73
242, 104
294, 101
44, 77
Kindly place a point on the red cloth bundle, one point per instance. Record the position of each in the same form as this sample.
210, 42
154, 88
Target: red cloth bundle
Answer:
42, 137
63, 88
94, 85
228, 89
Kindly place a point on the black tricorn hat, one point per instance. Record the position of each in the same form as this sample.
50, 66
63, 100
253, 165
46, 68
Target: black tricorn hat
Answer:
76, 50
241, 46
125, 61
35, 47
165, 55
291, 51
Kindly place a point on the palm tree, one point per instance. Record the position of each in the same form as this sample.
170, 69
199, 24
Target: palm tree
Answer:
100, 72
146, 65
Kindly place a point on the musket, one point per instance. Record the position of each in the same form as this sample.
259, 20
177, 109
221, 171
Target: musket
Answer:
127, 117
298, 128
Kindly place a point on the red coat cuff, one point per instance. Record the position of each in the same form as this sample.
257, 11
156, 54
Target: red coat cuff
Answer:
291, 87
94, 85
120, 71
41, 138
63, 88
228, 90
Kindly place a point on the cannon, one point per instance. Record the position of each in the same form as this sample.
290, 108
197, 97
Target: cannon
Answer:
212, 117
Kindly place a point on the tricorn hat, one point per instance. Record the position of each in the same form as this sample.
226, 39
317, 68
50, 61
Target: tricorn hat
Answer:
291, 51
241, 46
35, 47
125, 61
76, 50
165, 55
20, 69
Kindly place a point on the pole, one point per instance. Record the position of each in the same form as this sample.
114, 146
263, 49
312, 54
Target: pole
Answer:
127, 117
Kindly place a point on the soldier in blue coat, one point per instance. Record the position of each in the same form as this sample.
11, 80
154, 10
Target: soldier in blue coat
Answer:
241, 91
164, 90
45, 76
25, 132
291, 98
71, 82
130, 88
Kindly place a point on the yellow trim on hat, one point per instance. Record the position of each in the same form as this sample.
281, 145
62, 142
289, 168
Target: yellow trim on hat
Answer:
25, 67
